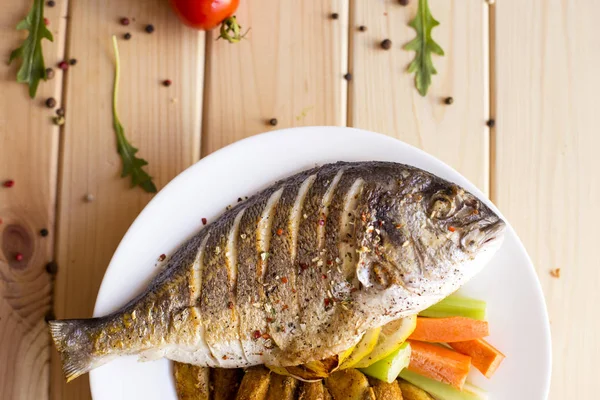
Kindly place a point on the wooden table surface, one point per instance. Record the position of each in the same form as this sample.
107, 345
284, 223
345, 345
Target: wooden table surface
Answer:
532, 66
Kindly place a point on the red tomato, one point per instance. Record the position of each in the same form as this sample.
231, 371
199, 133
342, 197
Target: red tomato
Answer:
204, 14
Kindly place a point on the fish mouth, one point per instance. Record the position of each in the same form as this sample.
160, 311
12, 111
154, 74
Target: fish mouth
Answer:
493, 233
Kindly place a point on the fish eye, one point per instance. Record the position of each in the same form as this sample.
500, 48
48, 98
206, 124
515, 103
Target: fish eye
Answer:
442, 206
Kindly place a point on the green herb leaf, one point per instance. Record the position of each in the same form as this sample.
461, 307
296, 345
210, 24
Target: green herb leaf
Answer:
131, 164
33, 68
423, 45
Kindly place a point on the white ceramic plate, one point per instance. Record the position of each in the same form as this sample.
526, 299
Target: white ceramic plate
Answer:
517, 313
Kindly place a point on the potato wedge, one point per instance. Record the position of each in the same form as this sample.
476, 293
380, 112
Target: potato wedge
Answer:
311, 391
191, 382
282, 387
349, 384
255, 384
314, 370
384, 390
225, 383
411, 392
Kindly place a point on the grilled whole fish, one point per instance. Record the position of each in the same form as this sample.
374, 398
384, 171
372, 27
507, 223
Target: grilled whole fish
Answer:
298, 272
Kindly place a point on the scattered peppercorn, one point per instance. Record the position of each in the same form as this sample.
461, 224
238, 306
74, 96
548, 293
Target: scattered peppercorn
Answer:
63, 65
403, 2
167, 82
73, 61
335, 15
19, 257
386, 44
127, 36
451, 228
162, 257
362, 28
449, 100
203, 221
60, 112
348, 76
52, 268
46, 21
60, 121
50, 3
89, 197
279, 232
555, 272
273, 121
51, 102
149, 28
284, 280
49, 73
44, 232
9, 183
125, 21
491, 122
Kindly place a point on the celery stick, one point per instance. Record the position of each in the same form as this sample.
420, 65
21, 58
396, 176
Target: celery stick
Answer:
437, 389
456, 306
387, 369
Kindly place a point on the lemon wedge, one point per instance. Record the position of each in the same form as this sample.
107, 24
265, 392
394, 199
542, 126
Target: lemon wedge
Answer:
362, 349
392, 335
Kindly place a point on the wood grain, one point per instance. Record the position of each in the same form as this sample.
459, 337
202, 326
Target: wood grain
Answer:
289, 67
29, 154
546, 172
383, 97
163, 122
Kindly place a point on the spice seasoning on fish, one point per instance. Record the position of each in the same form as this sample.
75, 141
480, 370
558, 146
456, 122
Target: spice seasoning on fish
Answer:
451, 228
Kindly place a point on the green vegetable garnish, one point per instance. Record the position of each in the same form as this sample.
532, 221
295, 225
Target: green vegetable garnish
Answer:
387, 369
423, 45
33, 68
131, 164
457, 306
439, 390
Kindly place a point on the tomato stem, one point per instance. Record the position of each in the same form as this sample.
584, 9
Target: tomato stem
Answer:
231, 30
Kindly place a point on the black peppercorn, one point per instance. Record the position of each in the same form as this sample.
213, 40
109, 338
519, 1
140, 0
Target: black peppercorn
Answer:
49, 73
60, 112
273, 121
362, 28
491, 122
51, 102
127, 36
335, 16
386, 44
448, 100
167, 82
403, 2
44, 232
348, 76
73, 61
149, 28
51, 3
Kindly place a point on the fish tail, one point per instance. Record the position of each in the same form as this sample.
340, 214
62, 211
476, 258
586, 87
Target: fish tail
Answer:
74, 345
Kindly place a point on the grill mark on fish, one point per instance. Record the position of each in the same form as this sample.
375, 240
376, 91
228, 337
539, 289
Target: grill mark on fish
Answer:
297, 214
324, 210
263, 231
346, 242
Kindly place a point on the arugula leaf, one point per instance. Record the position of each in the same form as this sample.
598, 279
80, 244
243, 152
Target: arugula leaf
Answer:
423, 45
33, 68
131, 164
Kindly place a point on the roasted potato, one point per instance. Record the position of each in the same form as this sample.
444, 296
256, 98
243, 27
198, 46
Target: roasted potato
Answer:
282, 387
411, 392
225, 383
384, 390
191, 382
311, 391
349, 384
255, 384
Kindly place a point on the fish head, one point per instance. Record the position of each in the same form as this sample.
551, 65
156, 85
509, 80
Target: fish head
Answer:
430, 235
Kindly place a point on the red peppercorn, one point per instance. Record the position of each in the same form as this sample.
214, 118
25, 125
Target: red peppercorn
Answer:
19, 257
284, 280
324, 276
162, 257
46, 21
63, 65
203, 221
256, 334
279, 231
167, 82
9, 183
451, 228
125, 21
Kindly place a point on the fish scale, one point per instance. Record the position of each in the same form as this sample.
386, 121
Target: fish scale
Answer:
261, 284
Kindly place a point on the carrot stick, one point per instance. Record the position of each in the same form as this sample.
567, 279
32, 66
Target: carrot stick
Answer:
485, 357
439, 363
448, 330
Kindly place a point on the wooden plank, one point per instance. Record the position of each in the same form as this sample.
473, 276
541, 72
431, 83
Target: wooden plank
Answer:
546, 172
290, 67
29, 146
163, 122
383, 97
